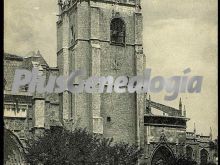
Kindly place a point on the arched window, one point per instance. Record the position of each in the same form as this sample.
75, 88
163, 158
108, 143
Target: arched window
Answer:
189, 152
117, 31
13, 149
203, 157
162, 156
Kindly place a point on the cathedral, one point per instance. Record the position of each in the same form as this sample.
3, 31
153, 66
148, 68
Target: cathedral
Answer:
104, 37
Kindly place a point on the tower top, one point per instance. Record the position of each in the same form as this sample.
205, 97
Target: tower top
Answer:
64, 5
210, 134
194, 128
180, 104
184, 111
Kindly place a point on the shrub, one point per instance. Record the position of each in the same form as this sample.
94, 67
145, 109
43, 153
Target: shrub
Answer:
60, 146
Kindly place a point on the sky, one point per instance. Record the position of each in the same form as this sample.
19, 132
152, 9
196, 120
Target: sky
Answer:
177, 34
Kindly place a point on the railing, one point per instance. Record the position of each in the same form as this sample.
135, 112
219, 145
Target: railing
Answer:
10, 110
198, 137
205, 137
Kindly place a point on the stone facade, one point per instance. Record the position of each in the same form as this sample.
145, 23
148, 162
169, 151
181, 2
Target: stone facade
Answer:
168, 131
83, 34
26, 113
87, 39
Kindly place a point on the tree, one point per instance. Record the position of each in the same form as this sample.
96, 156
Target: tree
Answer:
60, 146
123, 154
211, 163
213, 145
183, 160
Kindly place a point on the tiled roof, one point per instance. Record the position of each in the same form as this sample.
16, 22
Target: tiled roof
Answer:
8, 56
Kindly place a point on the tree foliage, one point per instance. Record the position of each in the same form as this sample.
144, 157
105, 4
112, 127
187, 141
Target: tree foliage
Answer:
60, 146
211, 163
184, 160
213, 145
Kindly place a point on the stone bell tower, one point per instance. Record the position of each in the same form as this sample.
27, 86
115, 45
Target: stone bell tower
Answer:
105, 38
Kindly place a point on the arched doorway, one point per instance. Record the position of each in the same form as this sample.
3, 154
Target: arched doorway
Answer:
13, 150
162, 156
203, 157
189, 152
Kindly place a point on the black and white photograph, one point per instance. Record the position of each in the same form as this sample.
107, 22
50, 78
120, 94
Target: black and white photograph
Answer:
110, 82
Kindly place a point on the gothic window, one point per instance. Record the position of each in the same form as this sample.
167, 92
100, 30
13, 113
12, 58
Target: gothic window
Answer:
117, 31
72, 35
189, 152
72, 31
162, 156
203, 157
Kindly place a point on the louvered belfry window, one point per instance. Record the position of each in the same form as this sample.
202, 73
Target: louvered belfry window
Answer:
117, 31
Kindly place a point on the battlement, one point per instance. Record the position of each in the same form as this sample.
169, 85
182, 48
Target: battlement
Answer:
204, 137
189, 134
192, 135
65, 5
122, 1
